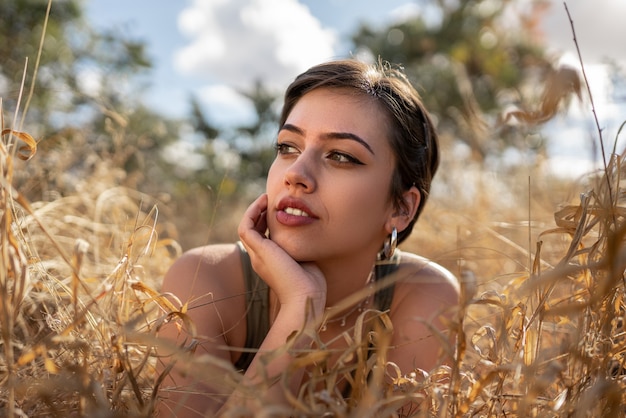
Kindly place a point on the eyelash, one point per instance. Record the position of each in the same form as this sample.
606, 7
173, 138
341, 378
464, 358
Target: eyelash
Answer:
282, 149
350, 159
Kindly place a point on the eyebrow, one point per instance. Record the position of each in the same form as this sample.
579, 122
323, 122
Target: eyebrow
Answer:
331, 135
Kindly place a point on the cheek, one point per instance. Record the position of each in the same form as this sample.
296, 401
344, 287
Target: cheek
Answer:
367, 198
273, 177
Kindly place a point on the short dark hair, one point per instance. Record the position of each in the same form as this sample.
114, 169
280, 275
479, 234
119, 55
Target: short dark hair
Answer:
413, 137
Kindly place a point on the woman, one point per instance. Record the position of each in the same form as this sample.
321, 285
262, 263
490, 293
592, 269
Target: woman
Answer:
355, 155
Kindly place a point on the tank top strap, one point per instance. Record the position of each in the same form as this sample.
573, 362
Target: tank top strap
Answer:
257, 302
383, 269
257, 309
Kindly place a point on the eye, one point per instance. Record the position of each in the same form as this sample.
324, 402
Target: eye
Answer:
343, 158
285, 149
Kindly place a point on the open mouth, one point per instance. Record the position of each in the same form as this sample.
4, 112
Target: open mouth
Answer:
295, 212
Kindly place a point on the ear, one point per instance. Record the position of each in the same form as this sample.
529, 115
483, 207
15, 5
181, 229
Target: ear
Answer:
402, 216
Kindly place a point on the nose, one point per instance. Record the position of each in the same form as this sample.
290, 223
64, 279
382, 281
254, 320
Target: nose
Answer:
301, 173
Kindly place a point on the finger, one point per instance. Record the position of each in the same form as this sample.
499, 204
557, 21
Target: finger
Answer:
252, 214
261, 225
253, 222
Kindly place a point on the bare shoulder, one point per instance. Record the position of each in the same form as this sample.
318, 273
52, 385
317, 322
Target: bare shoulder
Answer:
420, 270
424, 281
207, 269
207, 284
425, 301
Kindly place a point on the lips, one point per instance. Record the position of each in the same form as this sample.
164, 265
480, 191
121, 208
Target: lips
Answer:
295, 207
294, 212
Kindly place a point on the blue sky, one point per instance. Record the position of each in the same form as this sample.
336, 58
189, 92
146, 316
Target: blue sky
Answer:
161, 24
211, 47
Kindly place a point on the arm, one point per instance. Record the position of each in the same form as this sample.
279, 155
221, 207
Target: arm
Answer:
198, 281
301, 293
206, 274
424, 305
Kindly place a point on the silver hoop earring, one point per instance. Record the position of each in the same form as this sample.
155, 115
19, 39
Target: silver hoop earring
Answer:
389, 247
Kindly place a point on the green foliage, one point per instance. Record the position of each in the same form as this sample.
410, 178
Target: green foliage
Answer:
263, 101
199, 121
20, 34
72, 52
236, 157
469, 68
87, 94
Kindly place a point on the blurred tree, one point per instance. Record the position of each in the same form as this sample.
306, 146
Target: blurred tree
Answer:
87, 81
263, 102
473, 65
20, 33
235, 161
258, 156
200, 122
241, 156
78, 66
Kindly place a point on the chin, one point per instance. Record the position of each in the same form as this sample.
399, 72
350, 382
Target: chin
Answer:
298, 250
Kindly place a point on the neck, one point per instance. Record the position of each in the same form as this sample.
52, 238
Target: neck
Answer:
346, 279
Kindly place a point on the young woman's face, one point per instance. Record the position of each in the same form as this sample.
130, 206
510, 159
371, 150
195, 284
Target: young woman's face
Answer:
329, 186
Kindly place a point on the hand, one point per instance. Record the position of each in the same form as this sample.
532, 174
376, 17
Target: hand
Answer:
292, 282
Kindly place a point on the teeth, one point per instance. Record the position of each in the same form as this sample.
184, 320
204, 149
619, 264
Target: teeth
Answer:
296, 212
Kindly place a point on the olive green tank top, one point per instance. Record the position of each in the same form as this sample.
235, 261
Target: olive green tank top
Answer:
258, 306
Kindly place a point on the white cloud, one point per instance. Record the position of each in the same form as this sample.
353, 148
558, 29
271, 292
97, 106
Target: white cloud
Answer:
90, 81
574, 139
599, 26
570, 167
225, 106
184, 154
236, 42
430, 12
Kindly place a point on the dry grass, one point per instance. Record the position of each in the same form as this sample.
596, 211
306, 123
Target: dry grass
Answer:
77, 296
539, 332
80, 309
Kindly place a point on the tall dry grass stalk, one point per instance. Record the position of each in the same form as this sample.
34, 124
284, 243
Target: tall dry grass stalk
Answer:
540, 341
78, 298
80, 311
77, 304
549, 341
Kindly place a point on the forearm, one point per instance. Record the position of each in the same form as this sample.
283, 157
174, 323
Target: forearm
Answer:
268, 380
189, 386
